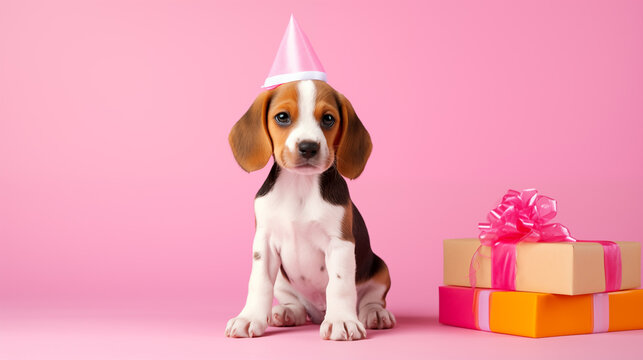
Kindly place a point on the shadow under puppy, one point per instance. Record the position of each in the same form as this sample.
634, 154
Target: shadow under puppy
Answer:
311, 249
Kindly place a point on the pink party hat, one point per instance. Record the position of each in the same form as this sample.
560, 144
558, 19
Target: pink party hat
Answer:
295, 60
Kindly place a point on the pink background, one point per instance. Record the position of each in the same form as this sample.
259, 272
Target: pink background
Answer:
126, 225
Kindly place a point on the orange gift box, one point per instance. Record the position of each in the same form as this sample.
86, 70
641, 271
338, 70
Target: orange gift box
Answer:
540, 315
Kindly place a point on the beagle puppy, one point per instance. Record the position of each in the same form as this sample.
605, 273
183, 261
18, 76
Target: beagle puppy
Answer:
311, 249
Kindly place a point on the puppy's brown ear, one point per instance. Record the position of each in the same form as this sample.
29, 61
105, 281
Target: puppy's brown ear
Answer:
249, 138
354, 144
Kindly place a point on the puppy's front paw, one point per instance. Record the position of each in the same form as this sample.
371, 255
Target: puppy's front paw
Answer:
242, 326
342, 330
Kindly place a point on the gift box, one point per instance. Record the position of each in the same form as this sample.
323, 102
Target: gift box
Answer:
540, 315
569, 268
520, 249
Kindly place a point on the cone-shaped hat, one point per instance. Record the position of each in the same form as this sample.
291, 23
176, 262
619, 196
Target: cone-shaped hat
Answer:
295, 60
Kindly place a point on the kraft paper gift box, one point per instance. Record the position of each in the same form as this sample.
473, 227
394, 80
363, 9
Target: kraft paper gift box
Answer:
569, 268
540, 315
519, 248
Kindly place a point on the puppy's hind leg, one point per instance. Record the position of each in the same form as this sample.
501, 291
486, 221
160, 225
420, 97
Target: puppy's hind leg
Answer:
371, 294
290, 311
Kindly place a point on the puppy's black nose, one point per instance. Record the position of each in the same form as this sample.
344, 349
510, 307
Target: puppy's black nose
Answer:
308, 149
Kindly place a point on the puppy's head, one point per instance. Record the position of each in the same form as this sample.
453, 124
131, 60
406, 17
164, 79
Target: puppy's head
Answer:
307, 126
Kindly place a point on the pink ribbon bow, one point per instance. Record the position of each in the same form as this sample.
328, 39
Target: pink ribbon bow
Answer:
525, 216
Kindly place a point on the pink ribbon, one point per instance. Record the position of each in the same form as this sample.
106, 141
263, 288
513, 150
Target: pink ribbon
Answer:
525, 216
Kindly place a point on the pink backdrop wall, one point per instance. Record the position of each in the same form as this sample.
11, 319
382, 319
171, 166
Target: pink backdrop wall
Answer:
117, 185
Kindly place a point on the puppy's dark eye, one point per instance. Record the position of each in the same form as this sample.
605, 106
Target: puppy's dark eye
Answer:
327, 121
282, 118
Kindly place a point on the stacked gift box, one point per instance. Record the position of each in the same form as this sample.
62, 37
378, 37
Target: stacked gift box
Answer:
525, 276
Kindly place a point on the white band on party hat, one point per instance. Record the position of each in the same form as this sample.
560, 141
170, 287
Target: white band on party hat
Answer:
284, 78
295, 60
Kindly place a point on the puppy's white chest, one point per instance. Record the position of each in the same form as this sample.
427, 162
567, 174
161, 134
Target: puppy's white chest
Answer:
295, 206
300, 224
